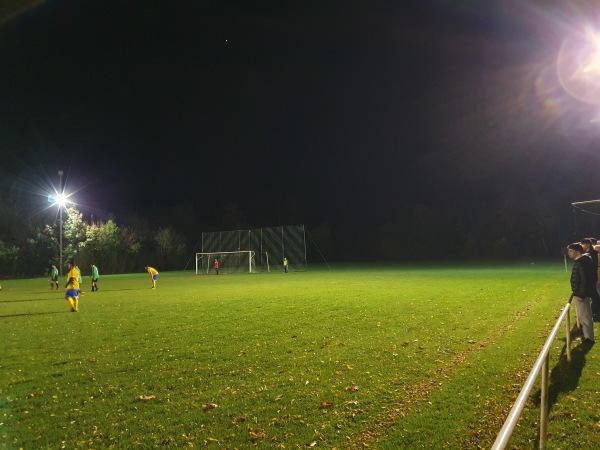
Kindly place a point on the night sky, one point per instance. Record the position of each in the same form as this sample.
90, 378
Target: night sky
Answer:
340, 112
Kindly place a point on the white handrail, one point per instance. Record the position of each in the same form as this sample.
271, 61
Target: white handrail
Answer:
511, 421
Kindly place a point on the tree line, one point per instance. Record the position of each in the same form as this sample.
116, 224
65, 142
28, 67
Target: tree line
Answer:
29, 248
506, 230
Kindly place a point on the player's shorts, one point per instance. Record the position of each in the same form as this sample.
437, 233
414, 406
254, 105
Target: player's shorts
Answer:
72, 293
95, 280
155, 277
54, 278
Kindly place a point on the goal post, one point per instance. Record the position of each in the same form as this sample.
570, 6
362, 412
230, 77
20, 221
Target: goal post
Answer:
586, 218
229, 262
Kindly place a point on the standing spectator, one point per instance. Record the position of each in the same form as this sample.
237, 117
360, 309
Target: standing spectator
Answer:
95, 276
285, 265
54, 277
216, 266
582, 285
153, 275
589, 246
72, 287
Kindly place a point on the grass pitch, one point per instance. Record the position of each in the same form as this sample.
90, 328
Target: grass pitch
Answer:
381, 357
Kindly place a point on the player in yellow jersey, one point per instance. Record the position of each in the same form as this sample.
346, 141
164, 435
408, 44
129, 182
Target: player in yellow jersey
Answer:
72, 287
153, 275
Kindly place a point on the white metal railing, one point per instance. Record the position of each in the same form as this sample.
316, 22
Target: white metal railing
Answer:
541, 365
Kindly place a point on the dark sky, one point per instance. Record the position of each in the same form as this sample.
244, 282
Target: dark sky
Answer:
297, 112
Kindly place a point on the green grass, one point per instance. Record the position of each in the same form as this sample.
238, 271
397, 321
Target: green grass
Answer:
380, 357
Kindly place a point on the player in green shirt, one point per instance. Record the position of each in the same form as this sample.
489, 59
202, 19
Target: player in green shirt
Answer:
79, 279
95, 276
54, 277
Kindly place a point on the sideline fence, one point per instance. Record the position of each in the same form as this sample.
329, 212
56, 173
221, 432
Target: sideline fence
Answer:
541, 365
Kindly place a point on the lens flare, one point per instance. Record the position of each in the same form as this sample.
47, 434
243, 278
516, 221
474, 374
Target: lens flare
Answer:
578, 66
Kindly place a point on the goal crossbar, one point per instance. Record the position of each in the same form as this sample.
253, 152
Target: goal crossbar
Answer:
588, 202
224, 253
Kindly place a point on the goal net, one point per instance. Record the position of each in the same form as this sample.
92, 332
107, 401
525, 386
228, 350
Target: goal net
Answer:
586, 219
269, 246
228, 262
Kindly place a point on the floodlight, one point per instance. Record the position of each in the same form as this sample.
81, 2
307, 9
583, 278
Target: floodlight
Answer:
61, 199
578, 66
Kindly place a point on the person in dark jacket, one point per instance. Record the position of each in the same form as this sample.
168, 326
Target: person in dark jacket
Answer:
583, 282
588, 247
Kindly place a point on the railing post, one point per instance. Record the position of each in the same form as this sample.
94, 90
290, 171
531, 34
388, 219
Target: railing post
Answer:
544, 405
568, 333
541, 365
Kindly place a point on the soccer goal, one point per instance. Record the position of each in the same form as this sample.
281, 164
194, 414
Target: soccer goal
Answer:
228, 262
586, 219
270, 245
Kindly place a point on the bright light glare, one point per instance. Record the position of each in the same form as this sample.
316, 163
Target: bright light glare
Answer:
579, 66
593, 63
61, 200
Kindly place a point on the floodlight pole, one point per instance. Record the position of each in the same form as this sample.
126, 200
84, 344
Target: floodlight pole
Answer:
60, 190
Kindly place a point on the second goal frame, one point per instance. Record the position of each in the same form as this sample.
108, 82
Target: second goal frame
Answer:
211, 256
276, 243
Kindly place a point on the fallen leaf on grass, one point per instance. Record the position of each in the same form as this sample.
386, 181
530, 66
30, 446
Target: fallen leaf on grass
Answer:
146, 398
352, 388
258, 435
210, 406
326, 404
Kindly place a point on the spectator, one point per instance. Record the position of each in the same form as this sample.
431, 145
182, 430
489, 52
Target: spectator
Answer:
582, 284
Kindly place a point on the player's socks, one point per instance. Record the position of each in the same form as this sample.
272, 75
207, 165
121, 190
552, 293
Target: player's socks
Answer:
76, 305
